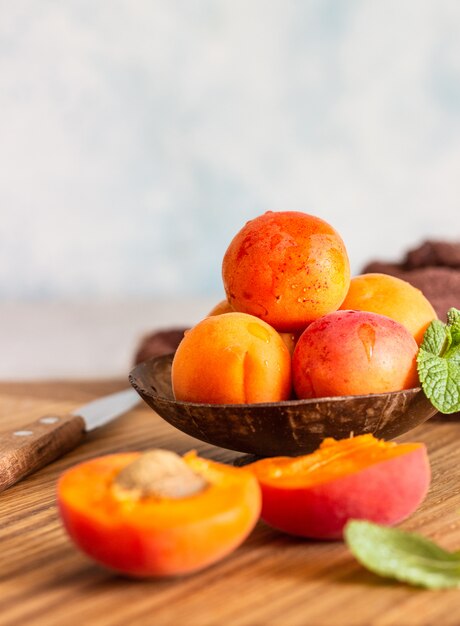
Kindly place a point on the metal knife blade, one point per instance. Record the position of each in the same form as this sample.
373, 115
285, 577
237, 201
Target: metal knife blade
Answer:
105, 409
34, 445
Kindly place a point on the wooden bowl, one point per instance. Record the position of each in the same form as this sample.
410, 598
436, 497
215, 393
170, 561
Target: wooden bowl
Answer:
280, 428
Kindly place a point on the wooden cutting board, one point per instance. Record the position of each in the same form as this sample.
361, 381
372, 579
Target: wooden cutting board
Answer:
270, 579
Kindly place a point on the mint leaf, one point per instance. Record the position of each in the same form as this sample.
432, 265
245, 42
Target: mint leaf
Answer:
405, 556
438, 363
453, 320
453, 316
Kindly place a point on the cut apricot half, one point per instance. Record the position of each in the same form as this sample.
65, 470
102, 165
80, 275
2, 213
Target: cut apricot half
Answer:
129, 530
357, 478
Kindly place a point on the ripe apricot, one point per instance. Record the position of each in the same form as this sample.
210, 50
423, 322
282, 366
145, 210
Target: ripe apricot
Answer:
359, 478
393, 297
288, 268
354, 353
143, 534
230, 359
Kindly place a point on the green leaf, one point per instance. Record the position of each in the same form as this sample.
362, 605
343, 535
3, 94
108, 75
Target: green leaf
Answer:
407, 557
453, 317
438, 363
453, 320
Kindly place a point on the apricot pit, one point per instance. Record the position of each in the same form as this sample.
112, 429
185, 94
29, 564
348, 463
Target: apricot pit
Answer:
159, 474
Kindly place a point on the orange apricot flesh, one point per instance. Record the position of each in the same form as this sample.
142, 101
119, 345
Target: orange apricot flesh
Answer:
333, 459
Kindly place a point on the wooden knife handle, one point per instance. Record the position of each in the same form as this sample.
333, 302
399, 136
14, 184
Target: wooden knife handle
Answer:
27, 449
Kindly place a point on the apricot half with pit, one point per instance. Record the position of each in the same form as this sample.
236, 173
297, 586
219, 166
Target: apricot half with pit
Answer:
157, 514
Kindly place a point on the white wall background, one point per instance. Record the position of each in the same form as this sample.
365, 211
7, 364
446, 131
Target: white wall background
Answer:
137, 137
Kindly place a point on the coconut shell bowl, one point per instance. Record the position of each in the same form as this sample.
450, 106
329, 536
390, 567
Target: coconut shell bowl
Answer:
287, 428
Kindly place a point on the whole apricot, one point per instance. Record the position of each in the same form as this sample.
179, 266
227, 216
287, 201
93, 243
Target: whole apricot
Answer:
233, 358
288, 268
353, 353
393, 297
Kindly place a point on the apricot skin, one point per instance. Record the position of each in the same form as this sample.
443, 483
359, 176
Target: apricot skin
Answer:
288, 268
233, 358
290, 339
393, 297
386, 493
221, 307
353, 353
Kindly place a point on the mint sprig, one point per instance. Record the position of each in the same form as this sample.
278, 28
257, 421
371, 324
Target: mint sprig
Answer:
438, 363
407, 557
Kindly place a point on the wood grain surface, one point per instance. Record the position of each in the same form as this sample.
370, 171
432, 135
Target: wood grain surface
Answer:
271, 579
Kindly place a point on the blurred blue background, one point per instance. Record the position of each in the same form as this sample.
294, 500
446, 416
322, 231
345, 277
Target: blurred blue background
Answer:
136, 138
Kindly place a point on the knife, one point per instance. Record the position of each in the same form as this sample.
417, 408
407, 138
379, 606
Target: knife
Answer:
31, 447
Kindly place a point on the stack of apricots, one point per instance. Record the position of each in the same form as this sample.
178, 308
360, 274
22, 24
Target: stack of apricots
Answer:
294, 325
